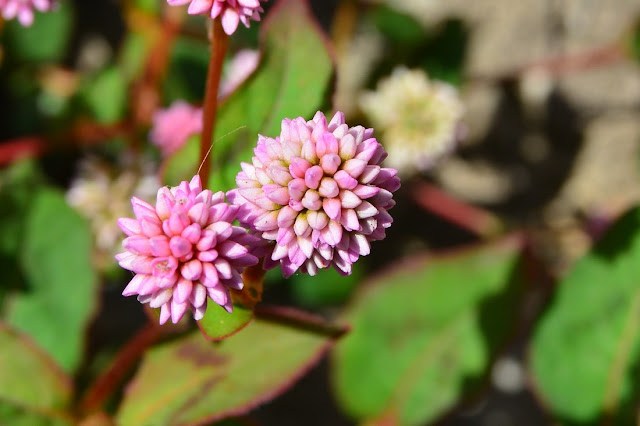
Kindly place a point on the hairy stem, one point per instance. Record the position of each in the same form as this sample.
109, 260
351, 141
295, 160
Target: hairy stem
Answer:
219, 41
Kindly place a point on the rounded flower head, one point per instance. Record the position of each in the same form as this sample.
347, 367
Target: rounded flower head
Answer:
419, 119
318, 192
185, 250
173, 126
231, 12
23, 9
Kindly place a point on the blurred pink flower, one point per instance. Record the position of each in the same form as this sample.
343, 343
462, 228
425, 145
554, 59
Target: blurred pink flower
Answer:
23, 9
243, 63
185, 250
231, 12
173, 126
318, 192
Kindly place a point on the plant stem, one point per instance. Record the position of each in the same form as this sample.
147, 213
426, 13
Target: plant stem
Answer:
299, 319
110, 379
219, 41
473, 219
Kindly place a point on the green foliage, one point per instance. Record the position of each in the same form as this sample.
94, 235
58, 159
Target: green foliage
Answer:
105, 95
292, 80
218, 324
39, 401
191, 380
187, 72
585, 354
61, 284
44, 41
423, 335
328, 287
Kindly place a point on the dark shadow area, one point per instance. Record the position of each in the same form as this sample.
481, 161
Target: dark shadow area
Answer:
440, 52
536, 181
98, 18
619, 237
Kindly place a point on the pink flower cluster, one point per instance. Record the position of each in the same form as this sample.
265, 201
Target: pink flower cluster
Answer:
231, 12
185, 250
173, 126
23, 9
318, 192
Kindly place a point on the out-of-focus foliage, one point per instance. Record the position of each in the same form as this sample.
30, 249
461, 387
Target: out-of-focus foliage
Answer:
30, 402
425, 327
585, 353
192, 380
54, 308
425, 333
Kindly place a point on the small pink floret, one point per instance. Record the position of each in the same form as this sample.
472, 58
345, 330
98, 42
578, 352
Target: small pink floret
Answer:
230, 12
23, 10
184, 249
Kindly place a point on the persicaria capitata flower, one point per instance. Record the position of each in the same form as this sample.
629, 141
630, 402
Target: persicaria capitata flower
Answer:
420, 119
23, 9
185, 250
318, 192
173, 126
230, 12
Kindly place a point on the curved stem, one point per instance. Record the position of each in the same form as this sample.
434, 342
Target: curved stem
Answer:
110, 379
219, 41
466, 216
300, 319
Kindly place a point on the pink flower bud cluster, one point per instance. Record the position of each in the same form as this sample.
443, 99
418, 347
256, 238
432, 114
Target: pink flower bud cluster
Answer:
318, 191
23, 9
173, 126
184, 250
230, 12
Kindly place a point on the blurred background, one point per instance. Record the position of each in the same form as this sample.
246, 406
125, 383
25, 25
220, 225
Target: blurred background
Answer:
528, 111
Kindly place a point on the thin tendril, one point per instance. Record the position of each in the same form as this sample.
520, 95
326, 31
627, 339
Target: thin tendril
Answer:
211, 146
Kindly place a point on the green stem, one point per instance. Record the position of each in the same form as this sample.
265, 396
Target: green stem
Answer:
219, 41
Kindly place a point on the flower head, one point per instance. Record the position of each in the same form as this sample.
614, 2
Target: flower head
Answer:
184, 250
231, 12
23, 9
243, 63
419, 119
318, 192
173, 126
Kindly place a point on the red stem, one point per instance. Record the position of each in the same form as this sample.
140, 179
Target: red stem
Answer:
119, 367
219, 41
299, 319
471, 218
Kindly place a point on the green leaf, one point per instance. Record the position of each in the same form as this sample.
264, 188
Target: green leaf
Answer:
187, 72
44, 41
218, 324
56, 262
585, 354
192, 380
17, 185
292, 80
423, 335
33, 390
105, 95
328, 287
